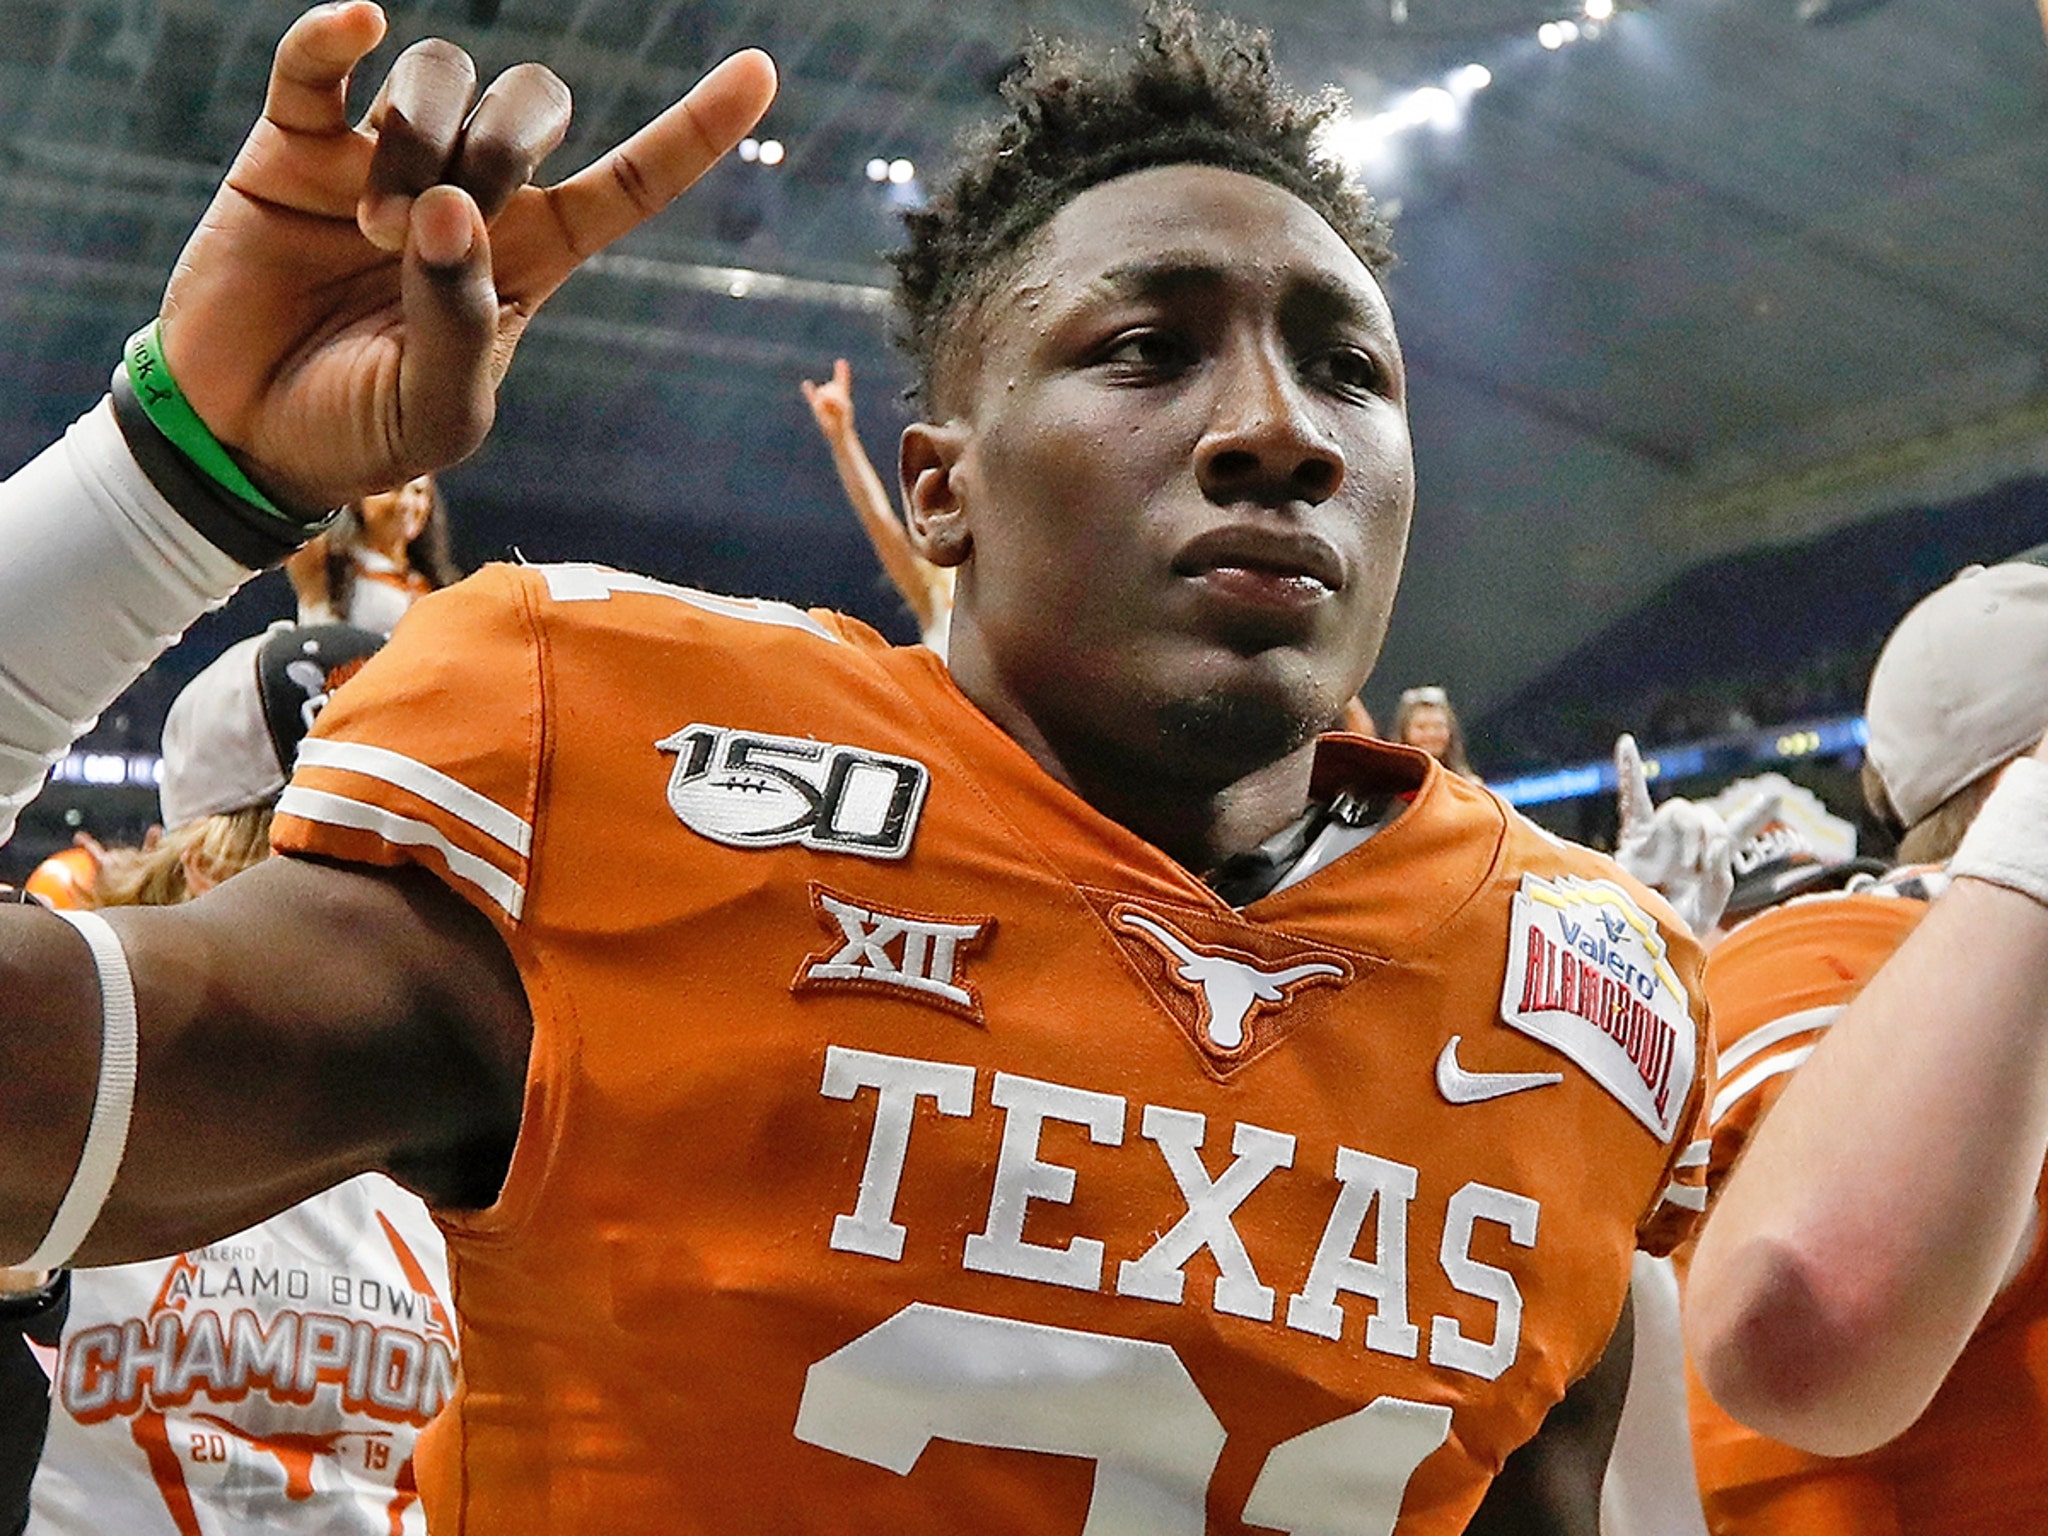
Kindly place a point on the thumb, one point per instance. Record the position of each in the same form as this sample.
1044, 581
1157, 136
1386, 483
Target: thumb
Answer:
1631, 785
1754, 817
447, 374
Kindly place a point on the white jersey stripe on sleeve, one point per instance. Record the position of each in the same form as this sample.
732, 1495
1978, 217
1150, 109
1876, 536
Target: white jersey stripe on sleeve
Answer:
1743, 1084
430, 784
577, 583
340, 811
1765, 1036
1695, 1155
1691, 1196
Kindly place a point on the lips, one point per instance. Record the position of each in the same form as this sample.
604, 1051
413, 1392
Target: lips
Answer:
1268, 554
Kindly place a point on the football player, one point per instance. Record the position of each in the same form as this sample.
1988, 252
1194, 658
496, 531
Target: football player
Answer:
1055, 1088
1956, 696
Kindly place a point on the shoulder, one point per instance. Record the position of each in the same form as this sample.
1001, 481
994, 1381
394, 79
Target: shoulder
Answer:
1803, 962
580, 599
579, 604
1530, 849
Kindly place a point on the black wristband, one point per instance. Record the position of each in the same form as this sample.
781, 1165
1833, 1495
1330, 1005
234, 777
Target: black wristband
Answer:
23, 1310
244, 533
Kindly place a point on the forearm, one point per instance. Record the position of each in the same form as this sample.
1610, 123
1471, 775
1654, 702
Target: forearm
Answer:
100, 574
1874, 1214
864, 488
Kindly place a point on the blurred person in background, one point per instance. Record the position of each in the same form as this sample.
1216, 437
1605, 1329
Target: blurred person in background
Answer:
274, 1381
1424, 719
1959, 692
383, 554
926, 588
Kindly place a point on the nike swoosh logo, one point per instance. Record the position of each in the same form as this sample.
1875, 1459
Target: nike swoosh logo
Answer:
1462, 1087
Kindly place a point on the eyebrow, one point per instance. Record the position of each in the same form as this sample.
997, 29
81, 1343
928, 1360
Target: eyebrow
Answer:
1327, 298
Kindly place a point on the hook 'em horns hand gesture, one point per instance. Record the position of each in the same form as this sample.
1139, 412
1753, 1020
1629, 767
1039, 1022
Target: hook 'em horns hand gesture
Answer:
343, 314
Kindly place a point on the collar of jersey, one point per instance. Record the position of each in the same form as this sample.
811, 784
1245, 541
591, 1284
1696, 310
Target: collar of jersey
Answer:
1417, 868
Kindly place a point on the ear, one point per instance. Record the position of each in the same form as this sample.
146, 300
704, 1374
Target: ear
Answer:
198, 879
928, 466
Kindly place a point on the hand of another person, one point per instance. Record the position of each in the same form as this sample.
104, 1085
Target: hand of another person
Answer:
1681, 850
832, 402
343, 314
19, 1282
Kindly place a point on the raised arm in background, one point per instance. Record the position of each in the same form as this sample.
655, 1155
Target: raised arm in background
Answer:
927, 588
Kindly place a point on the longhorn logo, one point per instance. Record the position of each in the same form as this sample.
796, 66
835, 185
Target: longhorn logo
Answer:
1230, 987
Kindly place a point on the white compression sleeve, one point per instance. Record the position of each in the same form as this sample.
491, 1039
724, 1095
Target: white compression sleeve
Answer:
98, 574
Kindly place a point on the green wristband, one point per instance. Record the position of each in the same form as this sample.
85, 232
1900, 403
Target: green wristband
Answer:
171, 414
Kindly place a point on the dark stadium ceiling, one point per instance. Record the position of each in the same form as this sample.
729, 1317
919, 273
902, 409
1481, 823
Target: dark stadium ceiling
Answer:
1705, 279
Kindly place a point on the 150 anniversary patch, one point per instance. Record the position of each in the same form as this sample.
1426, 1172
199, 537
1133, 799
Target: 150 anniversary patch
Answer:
748, 789
1588, 976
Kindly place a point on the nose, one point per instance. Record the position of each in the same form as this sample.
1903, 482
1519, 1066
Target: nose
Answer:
1263, 443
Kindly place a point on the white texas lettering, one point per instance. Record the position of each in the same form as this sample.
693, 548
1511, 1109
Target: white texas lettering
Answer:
898, 1083
999, 1248
1158, 1274
1372, 1190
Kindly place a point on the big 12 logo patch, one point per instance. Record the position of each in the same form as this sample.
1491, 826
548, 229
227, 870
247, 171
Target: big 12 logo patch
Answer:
748, 789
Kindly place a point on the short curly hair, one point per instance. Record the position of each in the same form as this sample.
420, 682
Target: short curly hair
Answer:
1195, 90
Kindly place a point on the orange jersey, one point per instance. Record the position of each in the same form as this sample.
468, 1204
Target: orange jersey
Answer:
905, 1139
1976, 1462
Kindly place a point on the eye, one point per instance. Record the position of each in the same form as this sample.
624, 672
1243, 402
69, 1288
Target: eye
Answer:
1354, 370
1148, 352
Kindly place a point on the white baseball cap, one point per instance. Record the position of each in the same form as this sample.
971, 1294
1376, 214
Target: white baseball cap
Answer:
233, 731
1961, 686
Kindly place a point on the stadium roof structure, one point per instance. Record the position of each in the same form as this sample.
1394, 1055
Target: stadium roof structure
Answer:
1696, 278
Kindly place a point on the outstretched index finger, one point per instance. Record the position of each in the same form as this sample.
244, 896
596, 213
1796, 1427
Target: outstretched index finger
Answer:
309, 73
1631, 784
1754, 817
623, 189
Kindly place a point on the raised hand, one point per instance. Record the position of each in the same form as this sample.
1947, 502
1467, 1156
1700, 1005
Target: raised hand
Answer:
832, 402
344, 312
1683, 851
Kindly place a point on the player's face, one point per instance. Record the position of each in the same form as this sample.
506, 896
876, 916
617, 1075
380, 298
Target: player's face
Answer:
1184, 475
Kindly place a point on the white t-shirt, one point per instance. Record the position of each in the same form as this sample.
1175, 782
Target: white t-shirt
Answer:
1651, 1489
273, 1382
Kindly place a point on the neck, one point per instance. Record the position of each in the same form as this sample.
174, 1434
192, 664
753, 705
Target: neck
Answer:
1192, 819
393, 549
